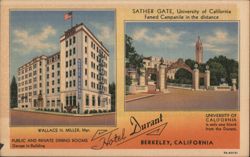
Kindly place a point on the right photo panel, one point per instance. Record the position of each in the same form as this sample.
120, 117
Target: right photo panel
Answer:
182, 66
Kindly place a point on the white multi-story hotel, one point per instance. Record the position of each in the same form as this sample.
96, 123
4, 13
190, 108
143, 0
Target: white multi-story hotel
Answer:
76, 79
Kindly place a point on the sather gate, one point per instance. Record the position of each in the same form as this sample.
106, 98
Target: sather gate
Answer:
161, 75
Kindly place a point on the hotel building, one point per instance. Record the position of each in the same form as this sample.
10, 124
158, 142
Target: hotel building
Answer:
76, 79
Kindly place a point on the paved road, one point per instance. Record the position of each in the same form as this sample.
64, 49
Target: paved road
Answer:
32, 118
186, 100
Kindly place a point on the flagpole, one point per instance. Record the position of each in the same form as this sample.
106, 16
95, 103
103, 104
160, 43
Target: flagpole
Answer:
72, 19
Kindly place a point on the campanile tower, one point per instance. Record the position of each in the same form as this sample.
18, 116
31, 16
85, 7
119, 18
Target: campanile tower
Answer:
199, 51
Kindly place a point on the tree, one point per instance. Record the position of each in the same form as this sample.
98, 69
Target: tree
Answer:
13, 93
128, 80
230, 66
217, 72
190, 63
133, 59
183, 76
113, 95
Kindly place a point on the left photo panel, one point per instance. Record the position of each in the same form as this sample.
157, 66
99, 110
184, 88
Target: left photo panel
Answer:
62, 68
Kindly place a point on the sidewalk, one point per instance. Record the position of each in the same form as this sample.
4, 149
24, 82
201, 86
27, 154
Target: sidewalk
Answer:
133, 97
65, 114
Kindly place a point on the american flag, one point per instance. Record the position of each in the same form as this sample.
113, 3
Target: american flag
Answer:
68, 16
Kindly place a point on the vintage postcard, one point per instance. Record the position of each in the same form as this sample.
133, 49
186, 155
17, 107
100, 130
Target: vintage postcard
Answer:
127, 78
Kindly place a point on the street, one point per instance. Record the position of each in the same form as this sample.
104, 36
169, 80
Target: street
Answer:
32, 118
186, 100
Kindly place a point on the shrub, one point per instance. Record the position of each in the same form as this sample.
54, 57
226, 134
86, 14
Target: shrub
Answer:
94, 111
56, 110
104, 111
52, 110
109, 111
100, 111
74, 112
86, 111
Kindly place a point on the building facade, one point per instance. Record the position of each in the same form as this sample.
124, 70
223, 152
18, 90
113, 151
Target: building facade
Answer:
199, 51
76, 79
154, 62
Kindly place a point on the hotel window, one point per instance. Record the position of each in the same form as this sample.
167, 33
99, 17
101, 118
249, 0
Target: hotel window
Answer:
86, 50
34, 66
86, 72
74, 61
86, 61
86, 82
53, 82
47, 75
70, 73
53, 103
52, 74
47, 83
67, 100
40, 84
58, 65
66, 74
70, 41
40, 70
74, 39
53, 90
70, 83
70, 100
67, 53
52, 67
74, 83
47, 68
99, 101
58, 73
66, 84
58, 81
66, 64
93, 100
74, 72
86, 39
74, 50
58, 89
87, 100
70, 52
66, 43
74, 100
70, 62
40, 77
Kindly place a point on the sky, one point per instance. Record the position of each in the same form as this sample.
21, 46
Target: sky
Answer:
35, 33
175, 40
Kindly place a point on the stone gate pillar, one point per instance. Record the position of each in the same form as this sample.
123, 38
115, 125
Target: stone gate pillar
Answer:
132, 87
162, 77
196, 78
142, 77
234, 81
207, 79
132, 75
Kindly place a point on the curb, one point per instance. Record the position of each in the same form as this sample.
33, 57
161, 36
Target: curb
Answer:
66, 114
142, 97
